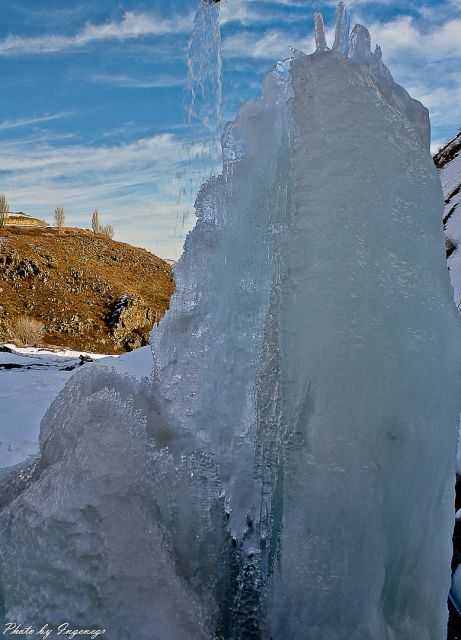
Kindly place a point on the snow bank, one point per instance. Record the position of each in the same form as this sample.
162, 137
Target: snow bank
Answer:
31, 378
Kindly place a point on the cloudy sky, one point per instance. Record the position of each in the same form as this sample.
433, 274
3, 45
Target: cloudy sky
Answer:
94, 96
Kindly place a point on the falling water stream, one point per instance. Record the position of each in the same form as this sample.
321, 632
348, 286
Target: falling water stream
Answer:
204, 64
204, 88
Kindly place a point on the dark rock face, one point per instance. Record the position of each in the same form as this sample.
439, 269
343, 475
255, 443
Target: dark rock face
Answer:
448, 152
130, 320
450, 246
454, 619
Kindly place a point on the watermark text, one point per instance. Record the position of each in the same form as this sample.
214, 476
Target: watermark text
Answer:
64, 630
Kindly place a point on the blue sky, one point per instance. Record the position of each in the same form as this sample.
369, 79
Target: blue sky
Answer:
93, 104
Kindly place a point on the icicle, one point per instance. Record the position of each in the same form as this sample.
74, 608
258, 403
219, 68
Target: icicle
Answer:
360, 42
319, 30
343, 23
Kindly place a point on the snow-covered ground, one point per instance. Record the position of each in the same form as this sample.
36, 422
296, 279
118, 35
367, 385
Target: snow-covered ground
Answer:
450, 176
31, 378
448, 160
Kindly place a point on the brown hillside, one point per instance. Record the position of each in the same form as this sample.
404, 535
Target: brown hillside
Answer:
90, 292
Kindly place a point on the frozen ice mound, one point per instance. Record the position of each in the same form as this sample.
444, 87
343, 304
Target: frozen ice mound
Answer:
287, 471
89, 541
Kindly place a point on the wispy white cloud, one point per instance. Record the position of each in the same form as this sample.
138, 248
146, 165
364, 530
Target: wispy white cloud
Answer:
69, 166
271, 45
27, 122
130, 82
243, 12
132, 25
133, 184
404, 36
239, 11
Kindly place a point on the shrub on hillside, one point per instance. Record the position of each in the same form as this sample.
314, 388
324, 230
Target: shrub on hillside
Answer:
28, 332
107, 231
4, 207
95, 224
59, 218
97, 227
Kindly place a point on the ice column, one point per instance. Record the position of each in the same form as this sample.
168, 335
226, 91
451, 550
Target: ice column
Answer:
319, 30
343, 22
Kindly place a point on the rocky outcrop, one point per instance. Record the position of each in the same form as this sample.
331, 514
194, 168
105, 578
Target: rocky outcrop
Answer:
130, 320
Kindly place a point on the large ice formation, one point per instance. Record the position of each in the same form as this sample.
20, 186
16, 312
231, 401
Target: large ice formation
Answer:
287, 470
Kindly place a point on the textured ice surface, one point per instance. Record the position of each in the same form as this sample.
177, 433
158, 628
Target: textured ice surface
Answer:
287, 471
362, 309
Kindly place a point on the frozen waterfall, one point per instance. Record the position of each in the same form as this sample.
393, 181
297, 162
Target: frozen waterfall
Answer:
287, 471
